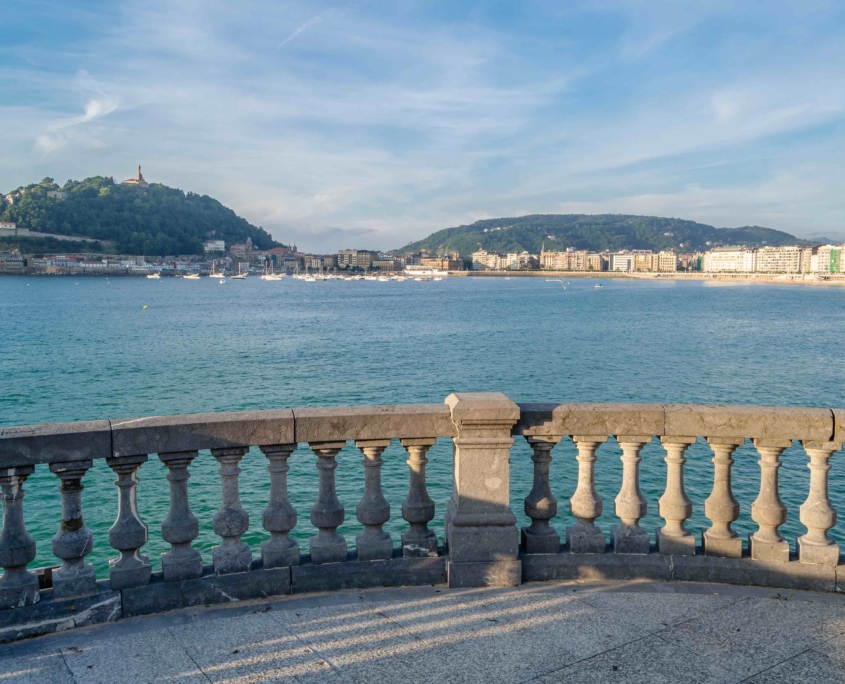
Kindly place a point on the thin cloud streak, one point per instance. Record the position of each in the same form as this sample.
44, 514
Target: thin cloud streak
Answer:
306, 25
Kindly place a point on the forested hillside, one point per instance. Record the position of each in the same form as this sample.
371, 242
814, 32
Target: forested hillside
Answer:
594, 233
155, 220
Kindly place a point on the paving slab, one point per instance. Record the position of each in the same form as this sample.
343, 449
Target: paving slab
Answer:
46, 667
251, 648
754, 634
647, 661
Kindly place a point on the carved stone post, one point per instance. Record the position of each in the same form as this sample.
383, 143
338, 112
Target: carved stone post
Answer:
231, 521
768, 511
675, 507
129, 532
180, 527
721, 507
540, 504
18, 586
280, 516
631, 505
373, 510
816, 513
480, 527
418, 508
585, 504
73, 541
327, 513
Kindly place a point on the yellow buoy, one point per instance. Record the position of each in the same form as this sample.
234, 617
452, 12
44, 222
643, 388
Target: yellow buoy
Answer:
145, 306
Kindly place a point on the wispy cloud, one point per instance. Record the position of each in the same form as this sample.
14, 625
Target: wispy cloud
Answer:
65, 131
308, 24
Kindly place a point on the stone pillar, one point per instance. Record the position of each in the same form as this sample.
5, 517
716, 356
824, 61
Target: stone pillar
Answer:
18, 586
631, 505
373, 510
129, 532
586, 505
73, 541
280, 516
816, 513
481, 532
180, 527
768, 511
418, 508
540, 504
721, 507
327, 512
675, 507
231, 521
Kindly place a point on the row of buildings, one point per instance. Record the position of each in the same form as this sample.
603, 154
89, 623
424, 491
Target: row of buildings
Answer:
818, 259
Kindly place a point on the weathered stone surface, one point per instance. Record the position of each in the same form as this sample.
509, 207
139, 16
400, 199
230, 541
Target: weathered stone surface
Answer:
352, 574
626, 539
590, 419
791, 575
568, 566
483, 543
129, 532
54, 443
673, 545
770, 422
585, 539
48, 615
839, 425
159, 434
501, 573
372, 422
159, 595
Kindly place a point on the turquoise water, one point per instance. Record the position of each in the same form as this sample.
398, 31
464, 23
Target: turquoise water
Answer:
87, 349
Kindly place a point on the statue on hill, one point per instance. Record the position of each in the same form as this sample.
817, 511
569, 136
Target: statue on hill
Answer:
138, 181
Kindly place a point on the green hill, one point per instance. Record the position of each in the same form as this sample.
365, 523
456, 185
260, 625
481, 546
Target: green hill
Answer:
156, 220
595, 233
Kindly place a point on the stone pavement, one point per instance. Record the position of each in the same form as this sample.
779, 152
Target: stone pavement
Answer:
549, 632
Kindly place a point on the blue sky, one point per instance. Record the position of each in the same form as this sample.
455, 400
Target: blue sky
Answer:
370, 124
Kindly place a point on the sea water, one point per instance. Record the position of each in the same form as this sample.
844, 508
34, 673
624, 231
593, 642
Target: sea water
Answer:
87, 348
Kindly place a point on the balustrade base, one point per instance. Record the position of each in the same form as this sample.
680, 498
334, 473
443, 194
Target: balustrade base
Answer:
370, 551
19, 594
539, 543
582, 539
182, 567
50, 615
627, 540
231, 559
777, 552
500, 573
137, 575
327, 552
674, 546
483, 543
719, 547
81, 584
356, 574
415, 547
273, 557
813, 554
699, 568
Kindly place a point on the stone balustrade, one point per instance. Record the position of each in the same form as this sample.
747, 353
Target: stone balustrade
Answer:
481, 546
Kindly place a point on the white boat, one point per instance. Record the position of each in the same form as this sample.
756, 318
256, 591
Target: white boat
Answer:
370, 278
154, 276
222, 281
383, 279
310, 279
272, 276
240, 276
192, 276
400, 279
596, 285
438, 280
216, 275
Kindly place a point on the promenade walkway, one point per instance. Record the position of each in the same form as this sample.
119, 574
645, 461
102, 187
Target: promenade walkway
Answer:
539, 632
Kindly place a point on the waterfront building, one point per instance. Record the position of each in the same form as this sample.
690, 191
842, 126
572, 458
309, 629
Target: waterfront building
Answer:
779, 260
596, 262
644, 261
356, 258
828, 259
730, 260
138, 181
666, 262
11, 262
483, 260
445, 263
621, 262
214, 246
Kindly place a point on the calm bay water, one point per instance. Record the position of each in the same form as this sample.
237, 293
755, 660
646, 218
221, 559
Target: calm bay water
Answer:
87, 349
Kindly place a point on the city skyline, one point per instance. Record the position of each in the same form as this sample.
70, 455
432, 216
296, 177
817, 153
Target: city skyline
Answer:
336, 126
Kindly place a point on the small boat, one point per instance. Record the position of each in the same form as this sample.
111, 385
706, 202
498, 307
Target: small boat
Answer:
400, 279
597, 285
240, 276
438, 280
192, 276
222, 281
310, 279
154, 276
383, 279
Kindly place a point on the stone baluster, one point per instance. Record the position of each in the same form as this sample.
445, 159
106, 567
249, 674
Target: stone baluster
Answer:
768, 511
231, 521
585, 504
327, 513
18, 586
540, 504
180, 527
129, 532
721, 508
418, 508
675, 507
373, 510
630, 504
816, 513
280, 516
73, 541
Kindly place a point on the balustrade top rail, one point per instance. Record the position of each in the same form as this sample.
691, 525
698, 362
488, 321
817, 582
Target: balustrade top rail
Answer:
87, 440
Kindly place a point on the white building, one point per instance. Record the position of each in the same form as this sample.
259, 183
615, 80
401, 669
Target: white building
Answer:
828, 259
779, 260
214, 246
622, 262
730, 260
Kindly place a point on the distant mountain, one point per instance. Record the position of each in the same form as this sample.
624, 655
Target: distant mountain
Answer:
595, 233
139, 219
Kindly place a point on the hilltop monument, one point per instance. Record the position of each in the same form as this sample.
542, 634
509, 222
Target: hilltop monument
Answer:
138, 180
